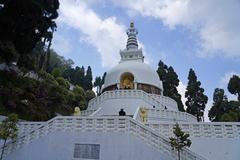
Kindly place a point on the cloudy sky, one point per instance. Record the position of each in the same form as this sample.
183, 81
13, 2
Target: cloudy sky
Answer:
203, 35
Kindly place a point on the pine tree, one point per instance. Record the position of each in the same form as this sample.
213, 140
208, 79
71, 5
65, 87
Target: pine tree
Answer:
180, 140
97, 84
234, 86
196, 100
170, 82
88, 79
24, 24
79, 76
220, 104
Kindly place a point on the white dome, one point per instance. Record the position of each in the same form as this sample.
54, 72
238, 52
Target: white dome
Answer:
142, 73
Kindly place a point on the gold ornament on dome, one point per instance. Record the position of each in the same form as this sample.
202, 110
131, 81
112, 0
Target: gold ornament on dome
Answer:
127, 81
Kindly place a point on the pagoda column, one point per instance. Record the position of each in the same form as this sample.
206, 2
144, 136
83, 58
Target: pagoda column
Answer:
135, 85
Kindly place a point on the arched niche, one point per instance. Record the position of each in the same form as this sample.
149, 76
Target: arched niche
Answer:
127, 81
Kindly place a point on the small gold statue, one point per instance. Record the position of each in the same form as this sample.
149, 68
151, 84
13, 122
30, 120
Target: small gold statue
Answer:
77, 111
143, 114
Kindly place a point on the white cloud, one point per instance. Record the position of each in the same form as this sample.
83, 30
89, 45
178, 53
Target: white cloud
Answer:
208, 107
106, 35
61, 45
181, 90
224, 83
216, 21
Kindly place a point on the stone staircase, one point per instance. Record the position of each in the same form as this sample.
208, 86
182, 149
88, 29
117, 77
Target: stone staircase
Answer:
100, 125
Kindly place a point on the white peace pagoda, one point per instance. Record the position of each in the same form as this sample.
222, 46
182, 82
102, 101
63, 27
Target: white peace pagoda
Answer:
99, 133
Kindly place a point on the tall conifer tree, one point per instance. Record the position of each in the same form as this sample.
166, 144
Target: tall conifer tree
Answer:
220, 104
234, 86
196, 99
88, 79
170, 82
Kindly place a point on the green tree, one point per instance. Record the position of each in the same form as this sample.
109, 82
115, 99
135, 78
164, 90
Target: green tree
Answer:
103, 79
180, 140
80, 97
220, 104
63, 82
78, 76
57, 61
231, 116
90, 95
88, 79
234, 86
56, 72
97, 83
8, 52
24, 23
231, 112
196, 99
8, 130
170, 82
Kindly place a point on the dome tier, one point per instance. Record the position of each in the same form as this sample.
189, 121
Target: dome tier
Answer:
132, 72
142, 74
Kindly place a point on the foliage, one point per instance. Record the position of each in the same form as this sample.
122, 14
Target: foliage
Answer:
90, 95
8, 52
62, 82
88, 79
39, 100
170, 82
231, 116
24, 24
8, 130
220, 104
232, 112
180, 139
196, 99
80, 97
59, 62
26, 34
234, 86
56, 72
78, 76
99, 81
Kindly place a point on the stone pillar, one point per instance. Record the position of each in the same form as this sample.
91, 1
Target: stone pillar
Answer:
135, 85
118, 85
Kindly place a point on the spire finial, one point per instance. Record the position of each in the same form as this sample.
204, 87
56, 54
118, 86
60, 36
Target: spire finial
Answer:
132, 40
132, 24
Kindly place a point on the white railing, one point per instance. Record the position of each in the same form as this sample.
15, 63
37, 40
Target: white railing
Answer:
158, 115
101, 124
200, 130
87, 112
26, 127
165, 100
148, 98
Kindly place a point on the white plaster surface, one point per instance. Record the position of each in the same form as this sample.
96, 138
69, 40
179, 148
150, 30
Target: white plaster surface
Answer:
217, 148
142, 73
113, 146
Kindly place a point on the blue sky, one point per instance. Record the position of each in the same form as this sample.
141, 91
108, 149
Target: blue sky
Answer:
203, 35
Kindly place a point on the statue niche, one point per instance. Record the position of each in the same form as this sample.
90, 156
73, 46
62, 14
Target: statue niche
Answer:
127, 81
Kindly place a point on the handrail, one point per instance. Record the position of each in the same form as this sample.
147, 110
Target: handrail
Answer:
148, 98
102, 124
186, 153
87, 112
200, 129
155, 113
